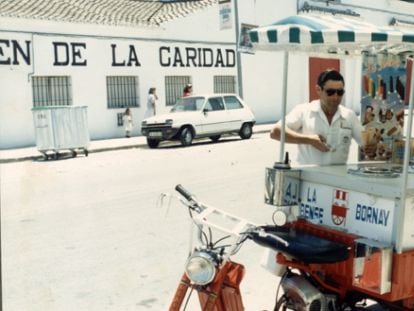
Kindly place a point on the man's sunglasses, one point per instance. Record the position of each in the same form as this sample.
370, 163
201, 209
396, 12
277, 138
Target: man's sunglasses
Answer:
331, 92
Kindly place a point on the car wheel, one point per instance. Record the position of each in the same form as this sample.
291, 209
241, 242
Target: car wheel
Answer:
152, 143
186, 136
246, 131
215, 137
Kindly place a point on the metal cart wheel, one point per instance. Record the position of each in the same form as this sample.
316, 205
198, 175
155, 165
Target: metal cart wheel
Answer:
86, 152
45, 156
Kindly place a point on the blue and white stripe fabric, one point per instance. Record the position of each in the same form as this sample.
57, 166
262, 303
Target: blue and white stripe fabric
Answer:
324, 32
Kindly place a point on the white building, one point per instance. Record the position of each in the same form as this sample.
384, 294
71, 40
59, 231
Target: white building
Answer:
107, 54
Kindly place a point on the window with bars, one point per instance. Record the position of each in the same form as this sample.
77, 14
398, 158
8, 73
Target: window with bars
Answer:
174, 86
51, 91
224, 84
122, 91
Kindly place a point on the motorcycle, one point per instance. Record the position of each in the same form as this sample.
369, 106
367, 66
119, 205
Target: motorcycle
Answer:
209, 270
314, 264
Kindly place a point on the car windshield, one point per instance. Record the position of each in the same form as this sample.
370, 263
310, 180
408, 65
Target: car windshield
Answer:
188, 104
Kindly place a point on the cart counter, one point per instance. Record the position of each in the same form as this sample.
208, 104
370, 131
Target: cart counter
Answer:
363, 199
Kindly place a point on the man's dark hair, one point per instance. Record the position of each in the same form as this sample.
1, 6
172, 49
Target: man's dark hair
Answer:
329, 74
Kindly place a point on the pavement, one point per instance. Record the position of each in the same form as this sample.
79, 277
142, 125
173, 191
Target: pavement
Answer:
33, 154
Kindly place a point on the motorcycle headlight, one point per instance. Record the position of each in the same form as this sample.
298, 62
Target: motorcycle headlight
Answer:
201, 268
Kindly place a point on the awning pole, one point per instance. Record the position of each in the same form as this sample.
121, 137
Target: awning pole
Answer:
284, 103
238, 54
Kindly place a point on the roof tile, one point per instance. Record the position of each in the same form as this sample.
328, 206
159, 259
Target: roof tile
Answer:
106, 12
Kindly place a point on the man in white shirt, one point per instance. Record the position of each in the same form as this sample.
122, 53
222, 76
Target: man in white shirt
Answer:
323, 128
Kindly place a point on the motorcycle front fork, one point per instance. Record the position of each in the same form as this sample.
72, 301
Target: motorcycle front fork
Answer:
223, 294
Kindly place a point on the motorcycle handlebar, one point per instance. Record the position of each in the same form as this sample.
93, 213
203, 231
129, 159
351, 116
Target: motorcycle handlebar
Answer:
184, 192
192, 200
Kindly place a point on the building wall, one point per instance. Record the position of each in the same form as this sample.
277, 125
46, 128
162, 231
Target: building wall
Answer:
94, 58
262, 73
88, 60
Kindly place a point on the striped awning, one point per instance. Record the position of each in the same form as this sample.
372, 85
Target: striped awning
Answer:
325, 33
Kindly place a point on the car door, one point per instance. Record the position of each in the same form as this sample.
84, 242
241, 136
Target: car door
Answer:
214, 116
235, 112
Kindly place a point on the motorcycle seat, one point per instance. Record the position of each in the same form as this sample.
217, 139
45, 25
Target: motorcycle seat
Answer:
301, 246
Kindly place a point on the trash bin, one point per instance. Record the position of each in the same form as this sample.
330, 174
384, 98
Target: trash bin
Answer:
60, 128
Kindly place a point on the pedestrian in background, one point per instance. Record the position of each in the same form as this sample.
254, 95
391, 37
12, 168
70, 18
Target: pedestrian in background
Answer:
128, 122
151, 102
188, 90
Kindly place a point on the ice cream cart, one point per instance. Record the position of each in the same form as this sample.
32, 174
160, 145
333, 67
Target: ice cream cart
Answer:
369, 205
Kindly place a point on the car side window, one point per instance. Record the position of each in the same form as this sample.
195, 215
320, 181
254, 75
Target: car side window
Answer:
199, 103
190, 105
232, 102
208, 107
215, 103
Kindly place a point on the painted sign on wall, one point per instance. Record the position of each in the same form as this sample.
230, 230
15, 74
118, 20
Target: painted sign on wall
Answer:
74, 53
225, 14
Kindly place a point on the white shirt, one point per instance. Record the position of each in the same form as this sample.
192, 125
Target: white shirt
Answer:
310, 119
150, 106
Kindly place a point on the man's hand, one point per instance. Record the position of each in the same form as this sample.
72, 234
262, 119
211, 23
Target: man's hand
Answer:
319, 142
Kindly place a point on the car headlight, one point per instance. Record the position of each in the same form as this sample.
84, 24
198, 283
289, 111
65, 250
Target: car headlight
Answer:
169, 121
144, 123
201, 268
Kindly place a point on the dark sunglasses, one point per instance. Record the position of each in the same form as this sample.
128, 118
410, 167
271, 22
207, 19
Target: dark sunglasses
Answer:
330, 92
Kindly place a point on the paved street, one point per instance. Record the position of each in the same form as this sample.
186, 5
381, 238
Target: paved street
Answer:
85, 233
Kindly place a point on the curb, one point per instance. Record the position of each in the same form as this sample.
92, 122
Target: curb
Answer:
93, 150
21, 159
66, 154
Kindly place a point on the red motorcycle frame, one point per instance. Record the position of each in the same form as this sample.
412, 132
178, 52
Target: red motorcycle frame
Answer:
223, 294
328, 271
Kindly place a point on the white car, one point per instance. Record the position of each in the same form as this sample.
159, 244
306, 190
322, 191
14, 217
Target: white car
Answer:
200, 116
